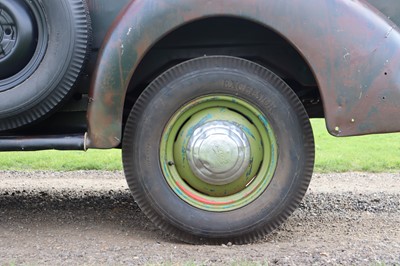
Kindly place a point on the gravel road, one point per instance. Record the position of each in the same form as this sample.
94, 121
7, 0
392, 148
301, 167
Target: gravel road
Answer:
89, 218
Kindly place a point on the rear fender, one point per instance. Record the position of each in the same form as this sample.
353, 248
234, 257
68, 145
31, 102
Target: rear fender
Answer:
352, 49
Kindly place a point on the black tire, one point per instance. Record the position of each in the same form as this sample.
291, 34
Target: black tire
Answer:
45, 45
241, 79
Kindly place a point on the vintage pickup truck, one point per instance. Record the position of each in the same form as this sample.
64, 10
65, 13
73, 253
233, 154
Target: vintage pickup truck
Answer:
209, 100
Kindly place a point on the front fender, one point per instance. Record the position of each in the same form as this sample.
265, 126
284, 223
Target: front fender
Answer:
352, 49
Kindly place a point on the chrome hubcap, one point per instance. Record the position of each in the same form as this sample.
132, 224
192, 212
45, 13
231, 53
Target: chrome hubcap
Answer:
218, 152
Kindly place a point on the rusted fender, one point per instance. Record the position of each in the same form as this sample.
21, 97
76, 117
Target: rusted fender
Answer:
351, 47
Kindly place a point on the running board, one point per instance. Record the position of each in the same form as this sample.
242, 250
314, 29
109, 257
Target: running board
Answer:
37, 143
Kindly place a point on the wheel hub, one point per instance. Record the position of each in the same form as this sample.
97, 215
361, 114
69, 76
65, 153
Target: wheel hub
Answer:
18, 35
218, 152
7, 35
1, 33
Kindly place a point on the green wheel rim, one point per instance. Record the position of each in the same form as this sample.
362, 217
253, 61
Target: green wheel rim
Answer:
251, 168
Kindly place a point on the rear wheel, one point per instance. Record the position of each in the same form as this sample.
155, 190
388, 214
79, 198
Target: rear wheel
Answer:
218, 149
43, 47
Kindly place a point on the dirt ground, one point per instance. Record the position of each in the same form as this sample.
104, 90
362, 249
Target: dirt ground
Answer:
89, 218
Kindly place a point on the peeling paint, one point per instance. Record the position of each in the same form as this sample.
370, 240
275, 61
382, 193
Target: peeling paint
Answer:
248, 131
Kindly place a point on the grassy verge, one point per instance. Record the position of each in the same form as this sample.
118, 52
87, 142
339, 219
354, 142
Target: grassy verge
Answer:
372, 153
375, 153
62, 160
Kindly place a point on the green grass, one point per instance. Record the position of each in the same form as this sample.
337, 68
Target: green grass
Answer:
62, 160
374, 153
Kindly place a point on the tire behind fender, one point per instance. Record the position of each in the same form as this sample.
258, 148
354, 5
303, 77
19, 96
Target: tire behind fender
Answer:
62, 28
195, 98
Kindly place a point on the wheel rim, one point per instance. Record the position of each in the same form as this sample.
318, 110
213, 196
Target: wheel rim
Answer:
23, 40
218, 153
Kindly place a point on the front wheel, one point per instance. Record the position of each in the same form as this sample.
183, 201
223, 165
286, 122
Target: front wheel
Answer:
218, 149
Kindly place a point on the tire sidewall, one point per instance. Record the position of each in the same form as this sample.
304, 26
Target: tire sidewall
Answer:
271, 207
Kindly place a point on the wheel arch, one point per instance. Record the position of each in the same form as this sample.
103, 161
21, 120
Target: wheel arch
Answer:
227, 36
144, 23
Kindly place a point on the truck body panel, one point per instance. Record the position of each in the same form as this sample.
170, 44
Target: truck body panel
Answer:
351, 47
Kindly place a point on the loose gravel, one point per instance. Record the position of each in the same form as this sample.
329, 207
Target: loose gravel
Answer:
90, 218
